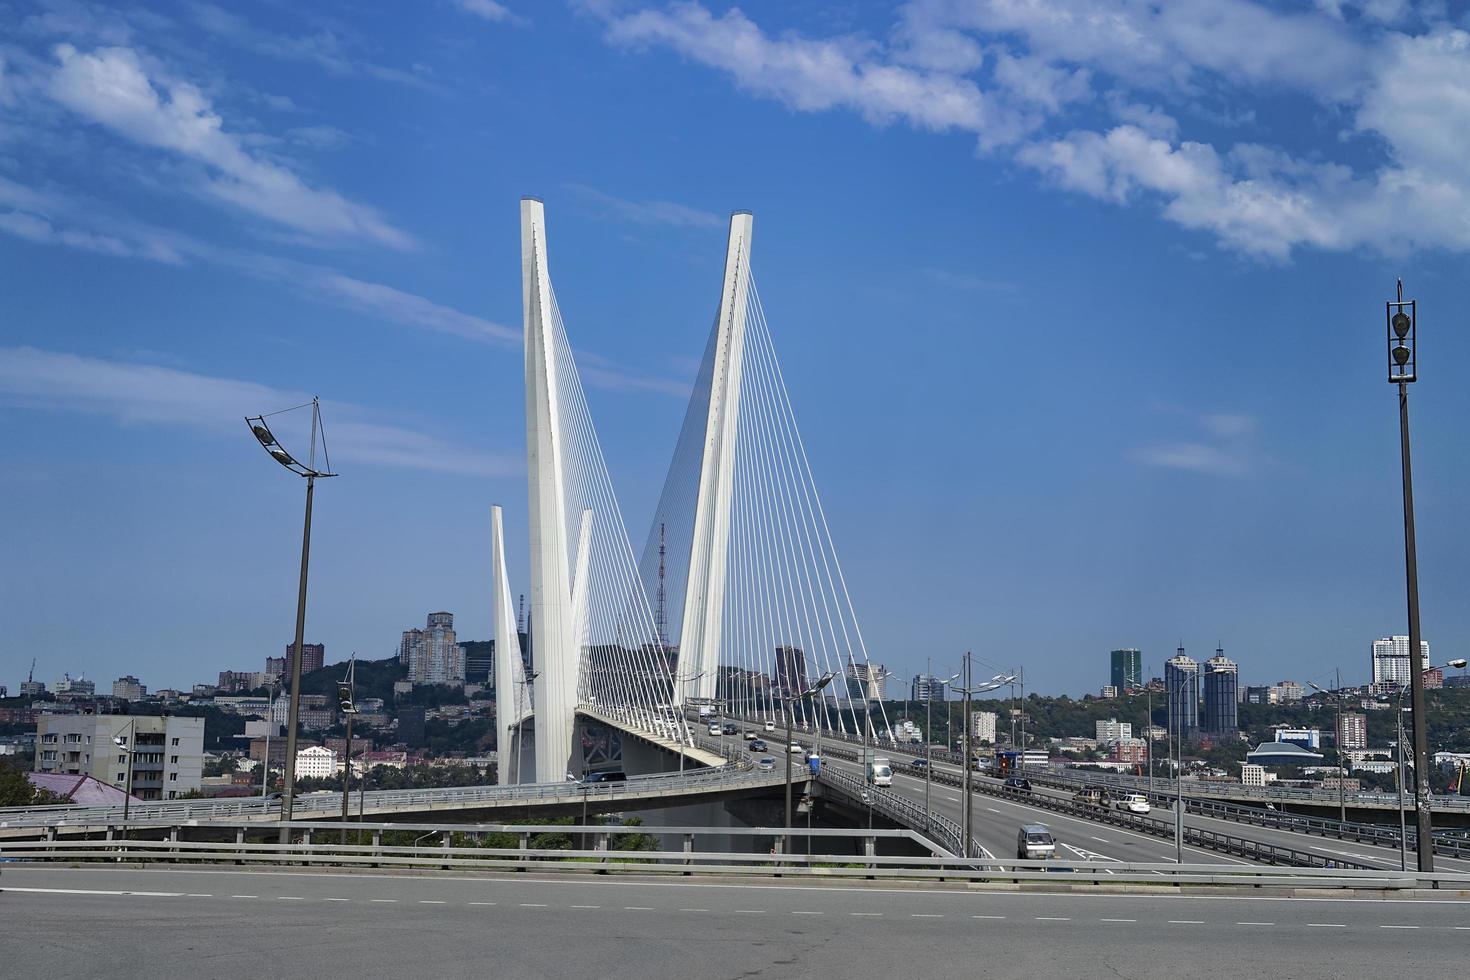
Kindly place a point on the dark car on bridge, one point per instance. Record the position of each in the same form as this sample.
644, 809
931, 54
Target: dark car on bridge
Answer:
758, 745
1017, 784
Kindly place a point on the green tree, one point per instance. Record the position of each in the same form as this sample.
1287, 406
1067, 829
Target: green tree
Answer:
16, 789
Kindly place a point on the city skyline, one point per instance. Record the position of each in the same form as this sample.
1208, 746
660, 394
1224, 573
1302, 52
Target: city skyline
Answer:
227, 248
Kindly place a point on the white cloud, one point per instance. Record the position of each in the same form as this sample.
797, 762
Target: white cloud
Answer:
1227, 452
150, 394
1206, 59
648, 212
812, 75
487, 10
112, 88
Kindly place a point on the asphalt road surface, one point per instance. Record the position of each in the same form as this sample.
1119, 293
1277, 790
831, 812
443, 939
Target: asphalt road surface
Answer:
129, 923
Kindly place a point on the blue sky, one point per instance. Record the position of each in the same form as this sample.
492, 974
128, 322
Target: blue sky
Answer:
1080, 304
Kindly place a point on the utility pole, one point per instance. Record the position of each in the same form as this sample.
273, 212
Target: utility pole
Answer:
965, 756
347, 703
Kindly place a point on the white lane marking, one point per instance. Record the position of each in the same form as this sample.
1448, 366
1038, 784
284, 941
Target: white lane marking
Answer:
1186, 922
1117, 920
244, 896
533, 905
1398, 927
336, 899
289, 898
1327, 925
584, 884
1255, 923
637, 908
800, 912
492, 903
91, 891
954, 799
585, 906
385, 901
1100, 840
694, 910
431, 901
197, 895
865, 913
987, 917
750, 911
1053, 918
992, 809
926, 915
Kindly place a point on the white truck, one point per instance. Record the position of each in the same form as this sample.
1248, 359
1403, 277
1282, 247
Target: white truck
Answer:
880, 772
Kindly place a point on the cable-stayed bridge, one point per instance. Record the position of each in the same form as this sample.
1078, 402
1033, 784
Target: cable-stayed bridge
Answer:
738, 597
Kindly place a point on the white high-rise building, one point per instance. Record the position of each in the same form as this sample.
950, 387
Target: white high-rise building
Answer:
1112, 731
982, 726
1391, 660
434, 655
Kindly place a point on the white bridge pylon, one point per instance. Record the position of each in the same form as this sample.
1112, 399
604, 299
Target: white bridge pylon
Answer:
594, 637
739, 551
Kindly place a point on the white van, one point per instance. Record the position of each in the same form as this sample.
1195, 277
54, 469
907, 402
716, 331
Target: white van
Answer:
1035, 842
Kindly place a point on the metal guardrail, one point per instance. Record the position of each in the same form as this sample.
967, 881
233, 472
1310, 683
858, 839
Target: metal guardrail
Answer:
694, 780
1210, 840
601, 860
1445, 842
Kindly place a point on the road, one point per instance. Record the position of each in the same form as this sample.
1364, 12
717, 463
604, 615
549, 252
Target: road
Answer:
997, 820
128, 923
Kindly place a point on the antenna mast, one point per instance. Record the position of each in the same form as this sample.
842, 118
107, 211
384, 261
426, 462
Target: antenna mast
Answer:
660, 620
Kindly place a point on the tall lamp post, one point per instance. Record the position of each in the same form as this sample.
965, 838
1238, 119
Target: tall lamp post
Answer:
531, 675
787, 703
347, 704
1341, 766
1402, 317
124, 744
928, 724
271, 445
996, 682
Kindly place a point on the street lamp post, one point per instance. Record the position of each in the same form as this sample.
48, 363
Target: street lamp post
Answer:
928, 733
968, 805
126, 745
1341, 766
1402, 316
347, 704
268, 441
520, 730
787, 702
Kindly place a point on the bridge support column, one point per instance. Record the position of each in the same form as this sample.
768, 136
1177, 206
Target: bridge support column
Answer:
556, 658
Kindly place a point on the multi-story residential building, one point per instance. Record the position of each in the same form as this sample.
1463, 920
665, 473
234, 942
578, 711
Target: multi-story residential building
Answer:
867, 680
1257, 695
1252, 774
128, 689
982, 727
1133, 750
313, 657
1181, 683
926, 687
1391, 660
1433, 679
276, 667
790, 673
70, 688
1126, 673
1287, 692
1109, 692
1112, 730
1221, 686
32, 688
1352, 731
433, 655
164, 754
316, 763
